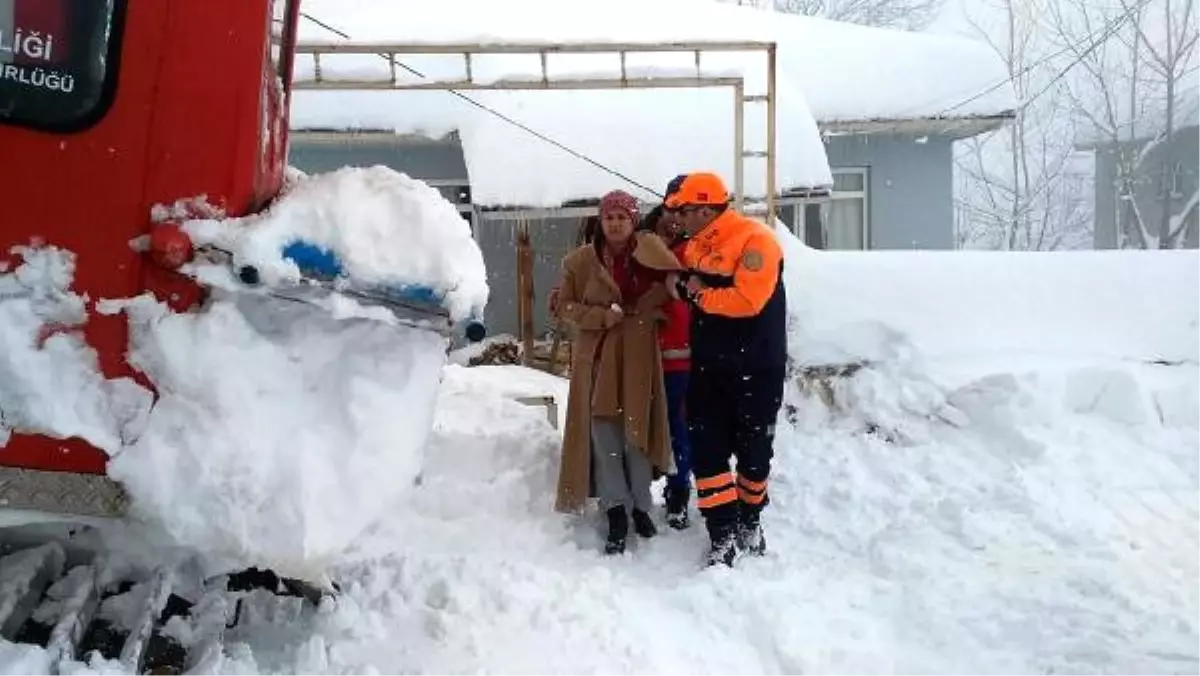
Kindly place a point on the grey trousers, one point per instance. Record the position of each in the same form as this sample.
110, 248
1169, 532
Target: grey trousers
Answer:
622, 473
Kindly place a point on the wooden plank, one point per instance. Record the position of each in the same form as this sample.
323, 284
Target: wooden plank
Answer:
525, 290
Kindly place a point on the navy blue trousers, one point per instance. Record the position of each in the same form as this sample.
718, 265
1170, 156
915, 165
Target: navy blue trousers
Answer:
676, 383
731, 414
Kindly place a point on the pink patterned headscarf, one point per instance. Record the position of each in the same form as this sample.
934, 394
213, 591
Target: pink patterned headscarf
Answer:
619, 200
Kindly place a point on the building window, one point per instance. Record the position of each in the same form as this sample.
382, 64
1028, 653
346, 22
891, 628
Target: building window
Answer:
846, 212
58, 61
839, 222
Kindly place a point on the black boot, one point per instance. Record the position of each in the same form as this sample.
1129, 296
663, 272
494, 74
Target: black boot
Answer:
721, 551
677, 507
750, 533
618, 528
643, 524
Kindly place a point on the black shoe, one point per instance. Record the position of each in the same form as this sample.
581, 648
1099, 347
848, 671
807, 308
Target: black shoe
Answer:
678, 520
618, 528
643, 524
677, 505
721, 552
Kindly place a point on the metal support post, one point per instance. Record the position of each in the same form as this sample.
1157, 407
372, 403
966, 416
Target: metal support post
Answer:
739, 147
772, 99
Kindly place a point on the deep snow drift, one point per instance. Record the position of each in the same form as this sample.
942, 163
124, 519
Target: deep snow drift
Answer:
964, 553
970, 305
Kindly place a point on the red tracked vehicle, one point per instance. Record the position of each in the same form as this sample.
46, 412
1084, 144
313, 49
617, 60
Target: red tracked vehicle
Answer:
110, 110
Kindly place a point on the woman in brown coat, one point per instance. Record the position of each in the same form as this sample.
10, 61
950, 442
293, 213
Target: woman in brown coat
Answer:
617, 432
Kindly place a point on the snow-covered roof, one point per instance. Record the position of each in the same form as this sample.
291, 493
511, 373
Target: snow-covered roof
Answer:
827, 71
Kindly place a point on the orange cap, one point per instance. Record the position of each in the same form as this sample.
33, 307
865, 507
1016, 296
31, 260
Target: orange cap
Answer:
699, 189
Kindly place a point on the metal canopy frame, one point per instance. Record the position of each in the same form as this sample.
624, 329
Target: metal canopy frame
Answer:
470, 51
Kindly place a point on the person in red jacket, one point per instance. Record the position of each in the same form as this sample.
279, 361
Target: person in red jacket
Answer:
674, 339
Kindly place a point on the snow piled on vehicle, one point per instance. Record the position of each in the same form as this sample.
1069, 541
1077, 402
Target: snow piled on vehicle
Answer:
385, 228
280, 433
50, 381
282, 430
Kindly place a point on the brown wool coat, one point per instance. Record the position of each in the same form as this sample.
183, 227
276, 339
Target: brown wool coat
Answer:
624, 378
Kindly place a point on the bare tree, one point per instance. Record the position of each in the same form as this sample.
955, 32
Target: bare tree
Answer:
1128, 93
913, 15
1021, 188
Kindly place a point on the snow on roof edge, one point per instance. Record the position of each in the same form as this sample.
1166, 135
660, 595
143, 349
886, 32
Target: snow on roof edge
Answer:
955, 127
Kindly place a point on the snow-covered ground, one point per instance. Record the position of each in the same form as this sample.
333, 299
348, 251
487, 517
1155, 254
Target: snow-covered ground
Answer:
1035, 510
1007, 483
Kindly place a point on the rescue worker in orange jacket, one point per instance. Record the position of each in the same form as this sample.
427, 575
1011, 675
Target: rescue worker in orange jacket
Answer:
734, 281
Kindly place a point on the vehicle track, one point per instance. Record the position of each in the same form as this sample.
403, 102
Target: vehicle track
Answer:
158, 621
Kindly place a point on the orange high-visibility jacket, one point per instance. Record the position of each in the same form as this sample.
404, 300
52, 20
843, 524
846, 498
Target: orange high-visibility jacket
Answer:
740, 320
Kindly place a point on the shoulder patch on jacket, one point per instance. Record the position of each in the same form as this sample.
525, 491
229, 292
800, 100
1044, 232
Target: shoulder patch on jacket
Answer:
752, 260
